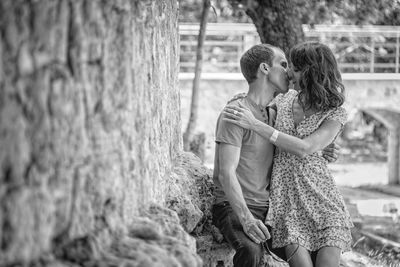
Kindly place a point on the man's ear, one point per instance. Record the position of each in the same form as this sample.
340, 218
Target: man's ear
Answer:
264, 67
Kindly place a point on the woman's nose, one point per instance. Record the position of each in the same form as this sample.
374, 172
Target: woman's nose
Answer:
289, 74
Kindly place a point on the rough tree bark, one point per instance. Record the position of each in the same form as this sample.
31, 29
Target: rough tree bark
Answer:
275, 21
188, 135
89, 134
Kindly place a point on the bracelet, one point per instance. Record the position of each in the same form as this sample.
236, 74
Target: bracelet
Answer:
274, 136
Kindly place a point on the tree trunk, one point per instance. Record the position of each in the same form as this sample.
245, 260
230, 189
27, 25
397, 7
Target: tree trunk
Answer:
90, 129
188, 135
275, 22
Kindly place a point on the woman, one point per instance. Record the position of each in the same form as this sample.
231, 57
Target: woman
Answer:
307, 213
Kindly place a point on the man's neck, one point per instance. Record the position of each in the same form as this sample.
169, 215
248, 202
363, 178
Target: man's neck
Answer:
260, 94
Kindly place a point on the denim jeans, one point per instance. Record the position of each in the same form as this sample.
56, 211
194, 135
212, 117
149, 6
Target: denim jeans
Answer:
248, 253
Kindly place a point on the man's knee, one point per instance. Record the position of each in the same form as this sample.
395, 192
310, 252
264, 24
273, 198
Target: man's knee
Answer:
248, 254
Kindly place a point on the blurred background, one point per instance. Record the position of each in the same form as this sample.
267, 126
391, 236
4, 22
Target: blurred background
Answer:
364, 36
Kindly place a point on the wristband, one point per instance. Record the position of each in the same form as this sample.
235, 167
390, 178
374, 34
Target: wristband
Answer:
274, 136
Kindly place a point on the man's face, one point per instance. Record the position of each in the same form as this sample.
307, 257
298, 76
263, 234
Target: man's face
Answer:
278, 75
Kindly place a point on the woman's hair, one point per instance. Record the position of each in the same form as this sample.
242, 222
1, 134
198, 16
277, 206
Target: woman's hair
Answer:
252, 58
320, 80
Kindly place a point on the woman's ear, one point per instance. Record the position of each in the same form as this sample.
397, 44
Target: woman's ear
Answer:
264, 68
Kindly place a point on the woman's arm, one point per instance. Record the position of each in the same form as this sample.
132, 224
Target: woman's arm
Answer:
318, 140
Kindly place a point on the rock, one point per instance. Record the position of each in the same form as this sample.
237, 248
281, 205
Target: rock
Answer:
155, 239
146, 229
143, 253
169, 222
180, 200
192, 194
213, 253
197, 145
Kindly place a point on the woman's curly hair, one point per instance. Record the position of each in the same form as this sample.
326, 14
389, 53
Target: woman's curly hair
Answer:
320, 80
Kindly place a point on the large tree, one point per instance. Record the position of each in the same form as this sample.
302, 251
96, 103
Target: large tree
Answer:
275, 21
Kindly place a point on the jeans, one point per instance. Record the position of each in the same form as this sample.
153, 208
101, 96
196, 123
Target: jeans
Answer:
248, 253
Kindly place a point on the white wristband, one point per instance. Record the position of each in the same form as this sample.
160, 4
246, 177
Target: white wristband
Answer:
274, 136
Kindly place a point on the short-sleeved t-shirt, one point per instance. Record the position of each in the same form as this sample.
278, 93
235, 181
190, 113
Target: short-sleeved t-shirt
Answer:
256, 153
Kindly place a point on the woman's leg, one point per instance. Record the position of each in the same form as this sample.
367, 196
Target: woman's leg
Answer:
328, 257
299, 256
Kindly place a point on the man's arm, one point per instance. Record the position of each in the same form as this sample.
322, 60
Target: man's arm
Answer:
228, 161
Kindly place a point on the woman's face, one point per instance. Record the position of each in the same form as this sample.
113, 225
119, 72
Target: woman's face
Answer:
295, 77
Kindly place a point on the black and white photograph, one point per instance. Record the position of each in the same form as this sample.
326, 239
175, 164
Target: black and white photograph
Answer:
199, 133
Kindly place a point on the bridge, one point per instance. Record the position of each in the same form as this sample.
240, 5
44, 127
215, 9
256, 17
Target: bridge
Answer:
366, 49
368, 58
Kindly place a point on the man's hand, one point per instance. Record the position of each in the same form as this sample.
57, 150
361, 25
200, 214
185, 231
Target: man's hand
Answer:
256, 230
331, 152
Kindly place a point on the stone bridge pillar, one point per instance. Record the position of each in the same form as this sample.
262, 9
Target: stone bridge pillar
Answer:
391, 120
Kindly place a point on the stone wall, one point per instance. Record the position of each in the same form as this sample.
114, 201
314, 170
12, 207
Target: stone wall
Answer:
90, 128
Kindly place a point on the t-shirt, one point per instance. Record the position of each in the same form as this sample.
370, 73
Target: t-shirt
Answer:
256, 153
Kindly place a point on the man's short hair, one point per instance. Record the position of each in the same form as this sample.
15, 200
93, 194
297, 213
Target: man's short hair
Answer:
252, 58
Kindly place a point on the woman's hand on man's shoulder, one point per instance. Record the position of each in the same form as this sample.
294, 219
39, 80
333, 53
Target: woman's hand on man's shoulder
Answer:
237, 97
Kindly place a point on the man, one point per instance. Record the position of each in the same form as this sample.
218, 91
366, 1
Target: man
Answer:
243, 159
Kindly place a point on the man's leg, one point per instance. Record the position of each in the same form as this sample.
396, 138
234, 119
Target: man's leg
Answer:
260, 213
248, 253
280, 254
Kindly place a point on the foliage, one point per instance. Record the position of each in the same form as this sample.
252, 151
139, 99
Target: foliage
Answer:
352, 12
349, 12
223, 11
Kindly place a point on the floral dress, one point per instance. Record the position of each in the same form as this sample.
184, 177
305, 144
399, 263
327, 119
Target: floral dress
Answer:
306, 206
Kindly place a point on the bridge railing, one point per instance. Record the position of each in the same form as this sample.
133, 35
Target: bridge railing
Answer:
366, 49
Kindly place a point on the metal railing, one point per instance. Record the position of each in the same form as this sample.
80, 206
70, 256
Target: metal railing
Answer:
366, 49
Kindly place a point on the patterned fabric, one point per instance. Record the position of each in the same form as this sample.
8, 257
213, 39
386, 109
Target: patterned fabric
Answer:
306, 206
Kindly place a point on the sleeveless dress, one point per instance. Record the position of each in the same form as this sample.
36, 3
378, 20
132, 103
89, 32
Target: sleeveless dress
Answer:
306, 206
